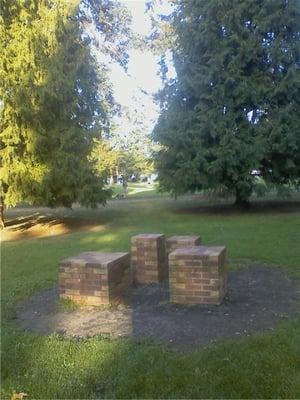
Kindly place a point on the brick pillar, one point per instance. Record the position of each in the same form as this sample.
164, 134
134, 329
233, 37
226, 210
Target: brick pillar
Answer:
176, 242
197, 275
95, 278
148, 258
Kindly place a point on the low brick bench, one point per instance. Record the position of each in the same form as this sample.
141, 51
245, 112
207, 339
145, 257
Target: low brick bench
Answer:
148, 258
95, 278
197, 275
177, 242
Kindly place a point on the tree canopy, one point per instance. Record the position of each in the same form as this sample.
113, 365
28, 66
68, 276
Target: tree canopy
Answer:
234, 106
55, 97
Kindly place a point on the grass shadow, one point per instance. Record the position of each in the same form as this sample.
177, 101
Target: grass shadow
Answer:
256, 207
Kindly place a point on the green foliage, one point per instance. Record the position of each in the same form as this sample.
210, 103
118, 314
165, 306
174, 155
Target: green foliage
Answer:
55, 97
127, 150
134, 162
260, 188
67, 305
234, 106
105, 158
107, 23
109, 161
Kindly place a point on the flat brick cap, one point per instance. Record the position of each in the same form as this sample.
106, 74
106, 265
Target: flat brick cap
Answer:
197, 252
183, 238
147, 236
93, 259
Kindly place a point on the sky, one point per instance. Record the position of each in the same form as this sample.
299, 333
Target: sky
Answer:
143, 71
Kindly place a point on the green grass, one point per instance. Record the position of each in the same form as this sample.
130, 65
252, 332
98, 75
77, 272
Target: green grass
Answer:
262, 366
67, 305
137, 190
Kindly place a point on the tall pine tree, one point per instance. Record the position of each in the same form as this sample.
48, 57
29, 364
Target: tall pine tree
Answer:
234, 106
55, 98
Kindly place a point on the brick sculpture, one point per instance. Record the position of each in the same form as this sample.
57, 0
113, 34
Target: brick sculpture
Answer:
95, 278
176, 242
197, 275
148, 258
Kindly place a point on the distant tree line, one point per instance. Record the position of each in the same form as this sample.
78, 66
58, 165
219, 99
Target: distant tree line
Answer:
109, 162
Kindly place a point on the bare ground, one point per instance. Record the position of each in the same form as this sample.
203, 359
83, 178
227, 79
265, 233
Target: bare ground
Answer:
259, 298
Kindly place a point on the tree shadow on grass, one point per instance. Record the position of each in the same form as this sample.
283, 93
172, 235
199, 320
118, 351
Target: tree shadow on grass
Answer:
56, 367
256, 207
39, 225
22, 220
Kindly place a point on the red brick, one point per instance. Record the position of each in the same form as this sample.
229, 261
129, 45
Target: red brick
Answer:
149, 264
92, 278
211, 287
198, 275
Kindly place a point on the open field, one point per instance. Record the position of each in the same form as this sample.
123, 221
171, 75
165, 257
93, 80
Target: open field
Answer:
265, 365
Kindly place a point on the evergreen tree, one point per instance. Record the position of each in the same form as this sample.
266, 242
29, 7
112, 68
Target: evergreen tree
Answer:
55, 99
234, 106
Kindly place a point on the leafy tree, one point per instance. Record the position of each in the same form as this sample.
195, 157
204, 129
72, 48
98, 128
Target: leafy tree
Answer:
135, 149
105, 159
234, 106
55, 97
134, 163
129, 146
109, 161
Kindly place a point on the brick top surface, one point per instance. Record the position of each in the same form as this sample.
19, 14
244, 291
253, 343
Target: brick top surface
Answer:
186, 238
93, 258
147, 236
198, 251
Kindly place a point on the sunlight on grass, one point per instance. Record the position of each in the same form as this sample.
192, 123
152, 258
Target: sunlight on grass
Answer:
264, 365
136, 190
67, 305
103, 240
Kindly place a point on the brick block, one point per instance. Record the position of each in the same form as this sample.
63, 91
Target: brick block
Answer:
148, 258
95, 278
197, 275
177, 242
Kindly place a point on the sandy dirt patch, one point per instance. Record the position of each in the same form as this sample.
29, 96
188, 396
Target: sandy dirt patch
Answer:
259, 298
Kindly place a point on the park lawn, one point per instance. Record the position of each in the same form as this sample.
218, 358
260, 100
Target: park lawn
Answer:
265, 365
137, 190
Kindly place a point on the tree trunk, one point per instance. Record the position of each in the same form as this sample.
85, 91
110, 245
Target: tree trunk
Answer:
2, 224
241, 201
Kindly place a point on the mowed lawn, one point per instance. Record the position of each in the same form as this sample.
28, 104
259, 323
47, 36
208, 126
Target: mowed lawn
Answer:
265, 365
